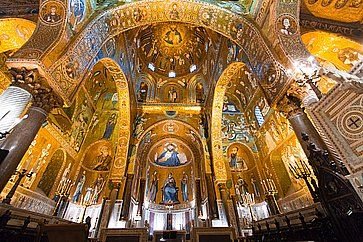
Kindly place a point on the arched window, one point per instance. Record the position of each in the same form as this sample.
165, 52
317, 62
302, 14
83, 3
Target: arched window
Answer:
142, 93
259, 116
199, 93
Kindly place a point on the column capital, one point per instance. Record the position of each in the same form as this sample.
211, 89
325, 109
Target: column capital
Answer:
304, 91
298, 96
290, 105
354, 86
30, 80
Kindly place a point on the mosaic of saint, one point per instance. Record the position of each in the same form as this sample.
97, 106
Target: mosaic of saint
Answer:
236, 158
98, 157
169, 188
166, 47
52, 12
170, 153
286, 25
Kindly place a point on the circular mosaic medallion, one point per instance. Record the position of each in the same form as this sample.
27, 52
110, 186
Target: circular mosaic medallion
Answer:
52, 13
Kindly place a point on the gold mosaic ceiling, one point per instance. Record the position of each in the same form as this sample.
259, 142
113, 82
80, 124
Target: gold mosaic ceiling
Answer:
340, 10
14, 32
172, 47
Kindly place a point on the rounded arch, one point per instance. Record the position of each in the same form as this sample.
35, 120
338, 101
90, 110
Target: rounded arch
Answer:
216, 125
166, 121
117, 20
196, 134
167, 90
57, 161
247, 154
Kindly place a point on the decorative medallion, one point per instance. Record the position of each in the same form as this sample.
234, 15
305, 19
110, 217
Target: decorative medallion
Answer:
52, 13
286, 25
170, 127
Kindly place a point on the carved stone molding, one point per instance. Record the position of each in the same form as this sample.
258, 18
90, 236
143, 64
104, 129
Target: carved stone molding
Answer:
339, 115
30, 80
354, 86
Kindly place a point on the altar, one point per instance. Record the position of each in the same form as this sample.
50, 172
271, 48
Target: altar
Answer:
169, 236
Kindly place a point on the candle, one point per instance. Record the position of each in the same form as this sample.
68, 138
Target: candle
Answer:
64, 187
273, 185
264, 185
59, 188
27, 163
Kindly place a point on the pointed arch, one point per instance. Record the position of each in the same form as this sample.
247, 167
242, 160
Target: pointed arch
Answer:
197, 142
191, 87
150, 82
73, 60
216, 125
124, 120
52, 171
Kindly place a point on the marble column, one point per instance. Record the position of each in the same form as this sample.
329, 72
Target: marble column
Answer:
198, 192
126, 200
13, 101
169, 221
113, 195
292, 107
21, 136
224, 197
213, 208
141, 196
235, 209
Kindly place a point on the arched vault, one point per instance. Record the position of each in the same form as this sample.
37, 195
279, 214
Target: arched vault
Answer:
74, 60
216, 126
124, 120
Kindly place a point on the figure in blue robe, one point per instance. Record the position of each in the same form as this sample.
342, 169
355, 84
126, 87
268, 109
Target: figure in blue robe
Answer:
110, 126
233, 158
184, 187
153, 187
170, 191
169, 157
78, 191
